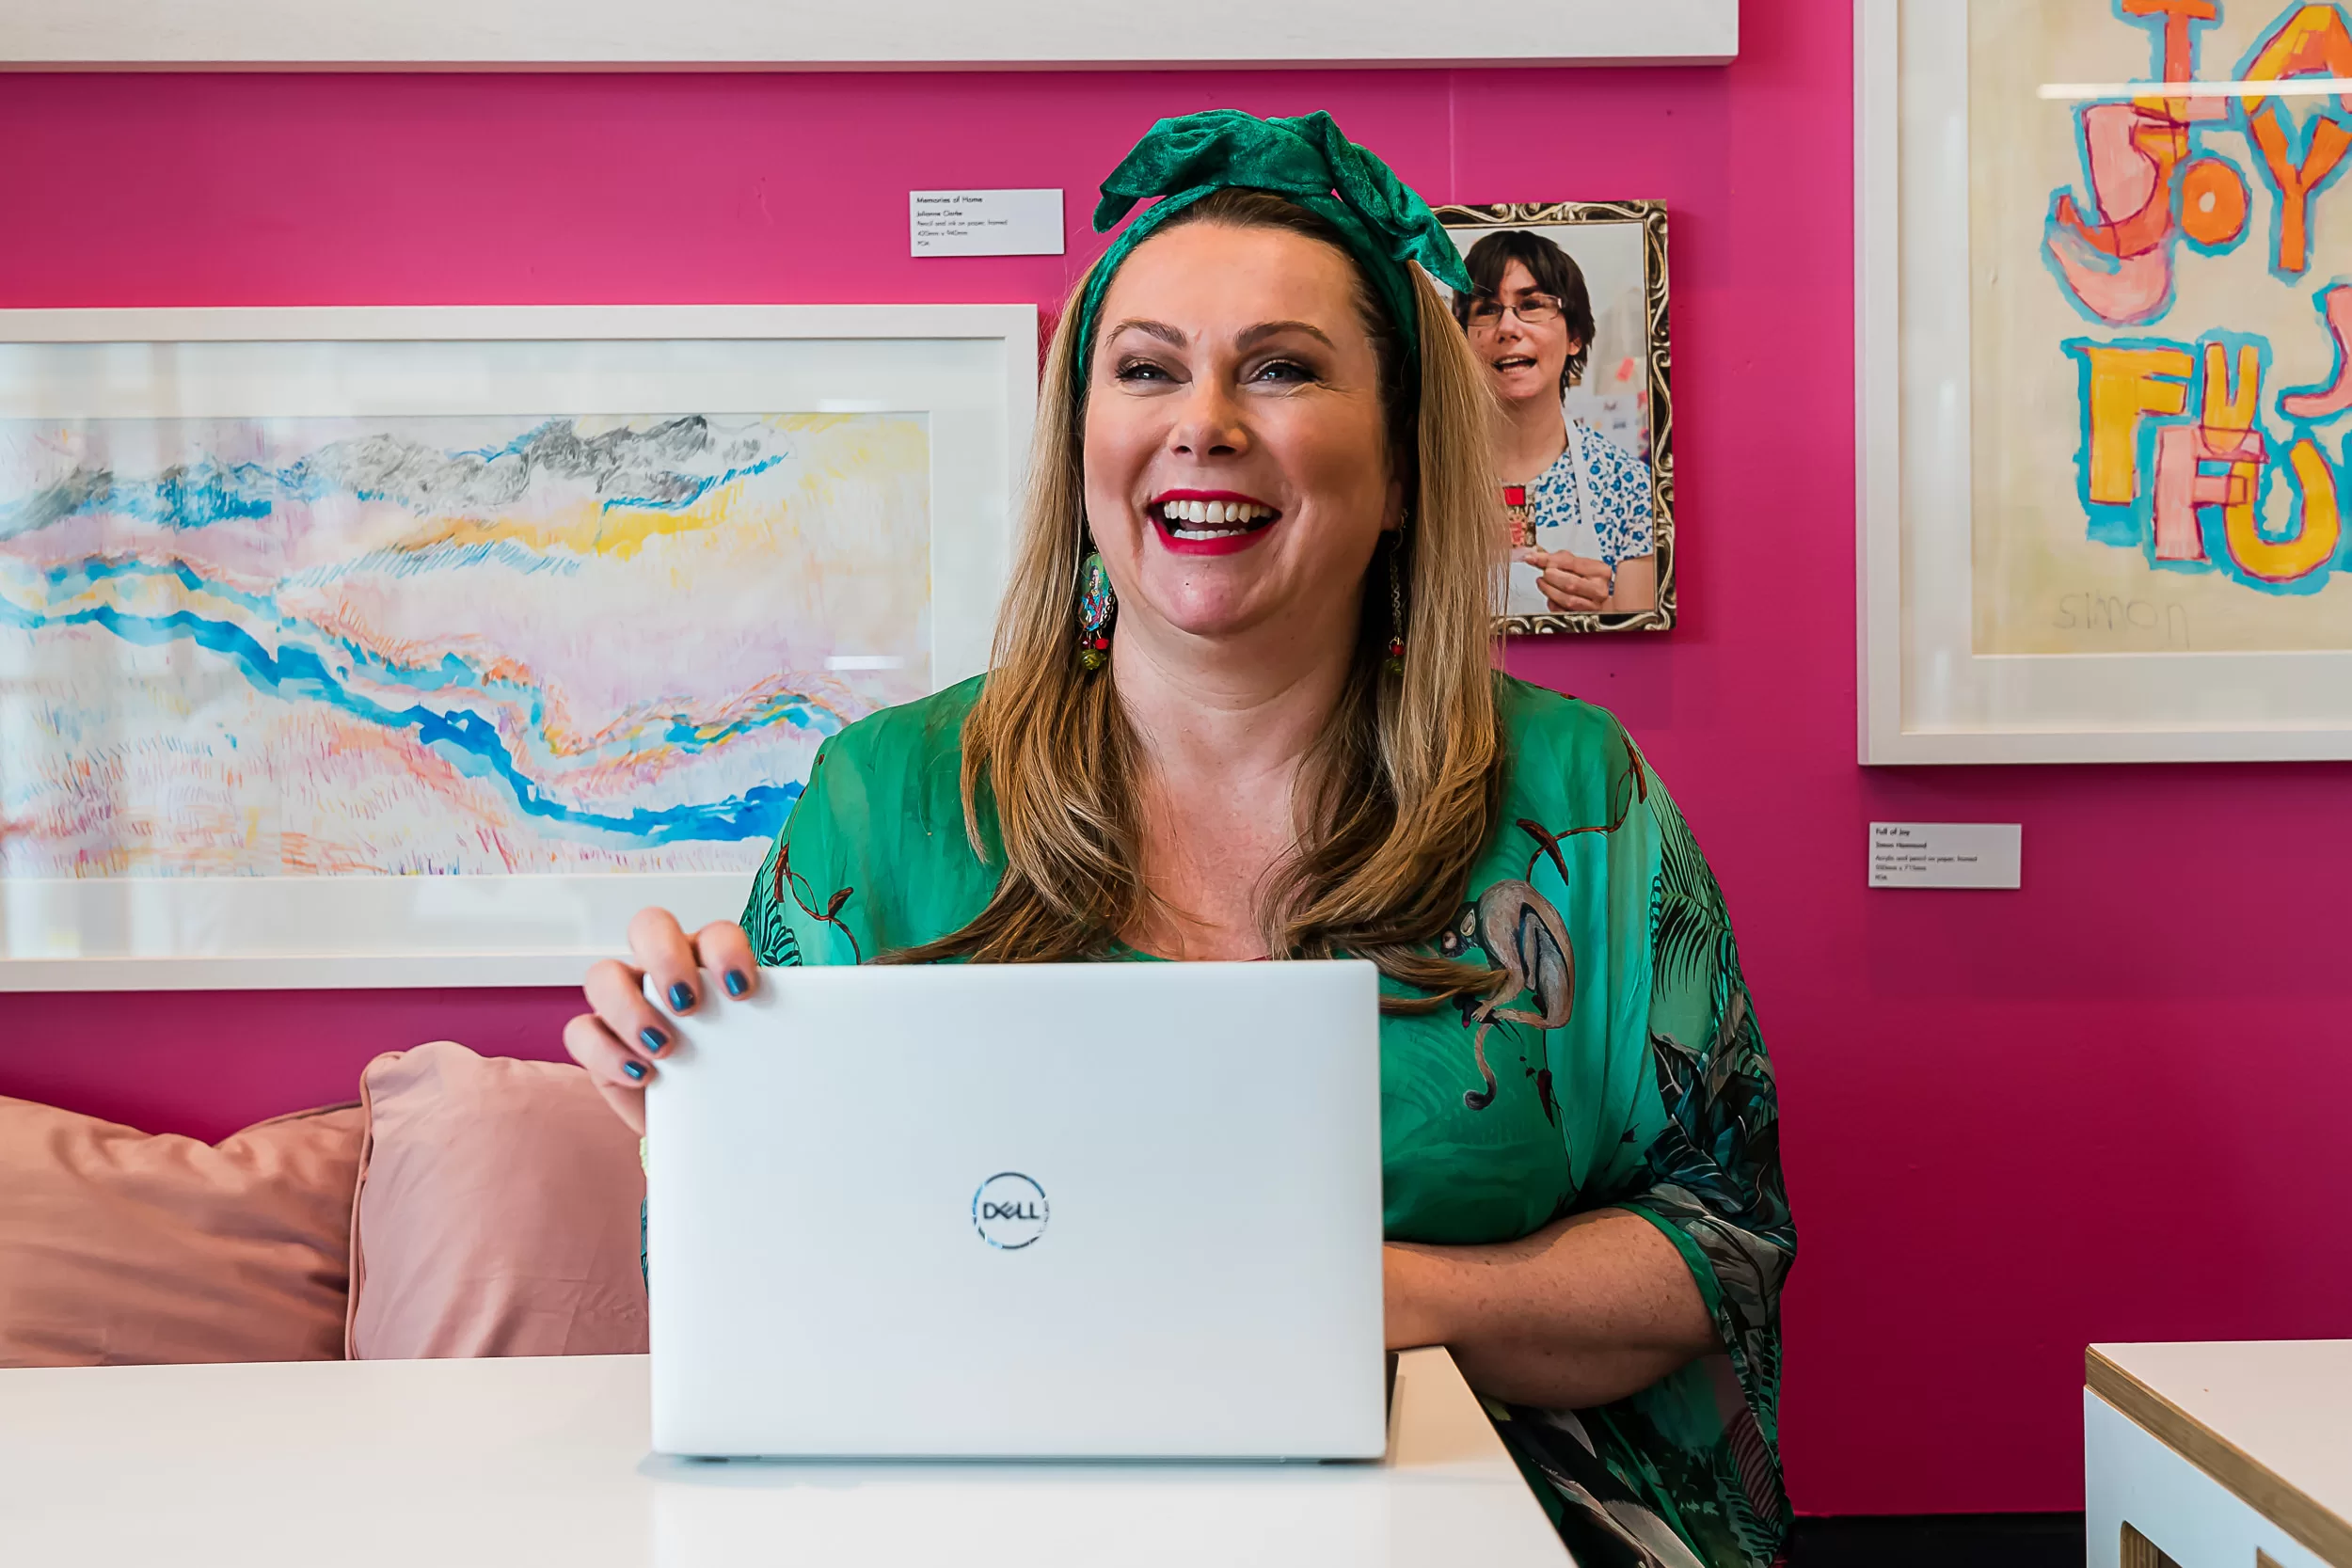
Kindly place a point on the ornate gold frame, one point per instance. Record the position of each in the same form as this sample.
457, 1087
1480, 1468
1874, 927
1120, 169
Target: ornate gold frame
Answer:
1651, 215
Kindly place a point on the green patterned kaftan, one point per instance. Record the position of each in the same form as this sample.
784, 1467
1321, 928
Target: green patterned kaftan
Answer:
1625, 1070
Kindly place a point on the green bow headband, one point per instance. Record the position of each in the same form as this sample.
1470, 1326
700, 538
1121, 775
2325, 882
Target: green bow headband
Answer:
1387, 227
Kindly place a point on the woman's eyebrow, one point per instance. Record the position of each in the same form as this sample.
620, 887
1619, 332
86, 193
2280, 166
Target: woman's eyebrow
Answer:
1270, 329
1161, 330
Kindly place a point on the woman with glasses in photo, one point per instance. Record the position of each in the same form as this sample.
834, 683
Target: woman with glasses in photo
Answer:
1579, 504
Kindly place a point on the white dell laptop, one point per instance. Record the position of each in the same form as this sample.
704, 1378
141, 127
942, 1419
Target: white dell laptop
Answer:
1064, 1211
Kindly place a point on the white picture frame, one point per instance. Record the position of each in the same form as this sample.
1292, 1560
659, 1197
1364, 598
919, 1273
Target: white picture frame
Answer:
1926, 695
969, 370
816, 35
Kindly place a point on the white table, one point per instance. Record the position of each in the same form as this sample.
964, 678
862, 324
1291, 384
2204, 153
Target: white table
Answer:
2219, 1455
529, 1461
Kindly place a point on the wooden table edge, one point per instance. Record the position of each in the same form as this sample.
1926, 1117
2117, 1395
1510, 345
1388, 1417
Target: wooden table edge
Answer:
2252, 1483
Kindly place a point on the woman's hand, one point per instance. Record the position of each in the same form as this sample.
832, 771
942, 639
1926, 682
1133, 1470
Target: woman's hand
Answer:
620, 1041
1572, 585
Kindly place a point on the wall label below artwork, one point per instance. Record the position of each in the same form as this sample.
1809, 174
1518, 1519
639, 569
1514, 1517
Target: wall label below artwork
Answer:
985, 223
1946, 854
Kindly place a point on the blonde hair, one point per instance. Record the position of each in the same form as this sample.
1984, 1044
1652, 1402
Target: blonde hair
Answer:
1399, 792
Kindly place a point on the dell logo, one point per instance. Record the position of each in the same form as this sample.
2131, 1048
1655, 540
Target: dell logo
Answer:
1009, 1210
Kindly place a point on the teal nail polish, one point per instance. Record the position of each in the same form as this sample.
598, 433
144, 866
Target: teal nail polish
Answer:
635, 1070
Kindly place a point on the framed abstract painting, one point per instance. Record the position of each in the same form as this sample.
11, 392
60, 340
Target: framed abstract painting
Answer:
386, 647
2103, 392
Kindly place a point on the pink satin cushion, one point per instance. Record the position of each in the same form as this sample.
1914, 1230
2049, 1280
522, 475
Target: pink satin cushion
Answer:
496, 1213
121, 1246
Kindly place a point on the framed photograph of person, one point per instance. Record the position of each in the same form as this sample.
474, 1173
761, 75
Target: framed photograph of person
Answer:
1568, 313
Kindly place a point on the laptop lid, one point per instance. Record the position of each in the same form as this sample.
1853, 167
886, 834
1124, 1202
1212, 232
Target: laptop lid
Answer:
1088, 1210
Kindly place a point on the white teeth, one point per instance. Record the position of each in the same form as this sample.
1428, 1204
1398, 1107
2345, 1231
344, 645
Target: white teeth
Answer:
1213, 519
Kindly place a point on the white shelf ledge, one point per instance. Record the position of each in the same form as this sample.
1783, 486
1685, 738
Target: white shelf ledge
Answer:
829, 35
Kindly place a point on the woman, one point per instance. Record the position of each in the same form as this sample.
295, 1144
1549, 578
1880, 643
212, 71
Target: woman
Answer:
1583, 502
1191, 745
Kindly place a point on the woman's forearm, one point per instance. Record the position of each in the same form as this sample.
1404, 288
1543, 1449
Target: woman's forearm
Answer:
1588, 1310
1636, 586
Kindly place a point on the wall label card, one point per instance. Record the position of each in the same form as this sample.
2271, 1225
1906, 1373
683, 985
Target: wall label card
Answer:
1946, 854
985, 223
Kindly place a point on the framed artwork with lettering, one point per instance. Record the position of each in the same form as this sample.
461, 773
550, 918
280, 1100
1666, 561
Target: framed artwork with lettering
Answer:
2103, 390
1567, 316
422, 647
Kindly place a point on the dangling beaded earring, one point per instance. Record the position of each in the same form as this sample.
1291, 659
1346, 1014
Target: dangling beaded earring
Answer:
1396, 663
1097, 605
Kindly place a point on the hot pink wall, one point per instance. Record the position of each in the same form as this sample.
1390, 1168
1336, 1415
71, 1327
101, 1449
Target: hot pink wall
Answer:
2101, 1108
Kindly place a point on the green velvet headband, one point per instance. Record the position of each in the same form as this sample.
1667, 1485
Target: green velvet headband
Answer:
1385, 225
